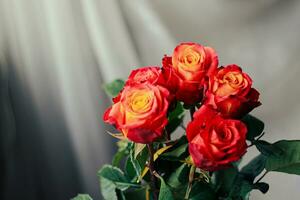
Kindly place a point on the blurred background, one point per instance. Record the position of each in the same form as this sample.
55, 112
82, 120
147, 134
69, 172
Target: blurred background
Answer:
55, 56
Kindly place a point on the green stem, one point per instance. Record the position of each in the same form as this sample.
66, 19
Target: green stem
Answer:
264, 174
253, 142
191, 179
152, 172
192, 111
261, 136
167, 134
193, 167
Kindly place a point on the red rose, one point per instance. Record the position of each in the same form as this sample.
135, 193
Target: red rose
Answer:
230, 92
140, 112
215, 142
186, 71
150, 74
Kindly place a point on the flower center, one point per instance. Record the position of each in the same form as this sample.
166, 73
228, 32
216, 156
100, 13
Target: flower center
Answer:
140, 101
189, 59
231, 83
234, 79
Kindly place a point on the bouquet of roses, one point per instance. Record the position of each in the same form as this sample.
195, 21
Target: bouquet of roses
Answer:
203, 162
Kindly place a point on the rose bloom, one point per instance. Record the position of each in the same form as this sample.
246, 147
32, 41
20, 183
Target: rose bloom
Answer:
150, 74
186, 71
229, 91
139, 112
215, 142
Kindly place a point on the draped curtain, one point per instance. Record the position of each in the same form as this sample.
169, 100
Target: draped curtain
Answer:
55, 56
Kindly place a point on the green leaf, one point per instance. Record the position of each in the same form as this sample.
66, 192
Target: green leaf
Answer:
178, 151
245, 190
138, 148
288, 161
172, 125
115, 176
267, 148
177, 112
237, 163
202, 191
123, 151
254, 125
263, 187
112, 178
120, 195
175, 118
230, 184
118, 157
240, 189
135, 194
138, 163
108, 190
179, 176
130, 171
165, 192
254, 167
82, 197
223, 180
124, 144
112, 89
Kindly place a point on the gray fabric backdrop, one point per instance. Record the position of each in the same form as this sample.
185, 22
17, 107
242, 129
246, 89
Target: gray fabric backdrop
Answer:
56, 54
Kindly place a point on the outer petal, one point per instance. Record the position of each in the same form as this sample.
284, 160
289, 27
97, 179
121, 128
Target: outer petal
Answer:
114, 115
202, 119
141, 135
199, 154
189, 92
214, 60
171, 79
237, 107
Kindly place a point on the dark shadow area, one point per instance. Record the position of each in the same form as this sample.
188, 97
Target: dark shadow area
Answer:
30, 169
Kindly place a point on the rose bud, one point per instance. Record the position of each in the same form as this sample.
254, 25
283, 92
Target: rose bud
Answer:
186, 71
229, 91
215, 142
140, 112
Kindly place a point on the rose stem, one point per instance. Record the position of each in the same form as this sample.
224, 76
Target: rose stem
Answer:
193, 168
152, 171
252, 143
168, 135
191, 179
168, 138
192, 110
264, 174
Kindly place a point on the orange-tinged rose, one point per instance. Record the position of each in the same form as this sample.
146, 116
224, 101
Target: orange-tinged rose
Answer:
186, 71
230, 80
140, 112
193, 61
230, 91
